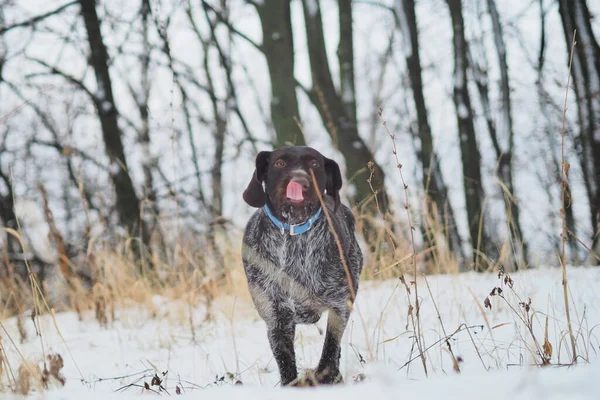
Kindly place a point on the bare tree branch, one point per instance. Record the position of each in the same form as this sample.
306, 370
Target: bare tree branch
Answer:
38, 18
224, 20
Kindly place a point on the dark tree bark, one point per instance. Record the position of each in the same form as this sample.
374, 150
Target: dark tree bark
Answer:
471, 158
332, 109
14, 272
278, 47
128, 205
434, 186
220, 131
220, 122
586, 81
149, 162
9, 220
504, 145
345, 53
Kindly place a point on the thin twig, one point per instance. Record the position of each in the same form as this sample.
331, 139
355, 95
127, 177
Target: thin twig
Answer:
417, 323
564, 177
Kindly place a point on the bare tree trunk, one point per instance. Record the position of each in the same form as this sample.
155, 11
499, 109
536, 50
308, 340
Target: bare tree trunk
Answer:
8, 219
128, 206
586, 78
219, 129
553, 163
278, 47
433, 181
340, 126
148, 161
471, 159
504, 151
345, 53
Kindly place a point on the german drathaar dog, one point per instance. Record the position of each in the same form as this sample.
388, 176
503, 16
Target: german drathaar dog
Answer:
294, 266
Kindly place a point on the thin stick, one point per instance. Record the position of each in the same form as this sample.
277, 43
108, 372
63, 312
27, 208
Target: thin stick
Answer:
336, 238
417, 324
564, 177
454, 360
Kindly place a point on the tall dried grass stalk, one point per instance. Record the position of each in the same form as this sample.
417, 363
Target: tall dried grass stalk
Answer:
564, 171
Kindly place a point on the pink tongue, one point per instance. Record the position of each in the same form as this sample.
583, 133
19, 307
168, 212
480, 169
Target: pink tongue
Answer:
294, 191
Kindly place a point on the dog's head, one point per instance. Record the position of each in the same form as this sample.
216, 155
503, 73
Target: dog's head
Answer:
288, 184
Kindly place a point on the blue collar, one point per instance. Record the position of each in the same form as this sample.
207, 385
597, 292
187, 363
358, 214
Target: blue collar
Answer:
294, 229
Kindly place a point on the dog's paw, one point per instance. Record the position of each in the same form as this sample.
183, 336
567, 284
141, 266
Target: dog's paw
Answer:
327, 376
308, 379
312, 378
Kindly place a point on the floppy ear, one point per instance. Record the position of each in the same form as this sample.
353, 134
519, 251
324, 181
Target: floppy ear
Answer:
254, 194
334, 180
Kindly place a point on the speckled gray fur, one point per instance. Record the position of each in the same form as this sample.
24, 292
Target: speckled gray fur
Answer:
294, 279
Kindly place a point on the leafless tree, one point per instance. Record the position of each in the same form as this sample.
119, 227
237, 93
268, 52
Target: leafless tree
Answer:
338, 108
577, 26
128, 204
480, 239
278, 48
435, 188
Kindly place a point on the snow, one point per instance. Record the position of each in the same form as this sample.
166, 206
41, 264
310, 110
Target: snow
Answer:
313, 7
33, 223
146, 158
114, 168
100, 94
346, 89
545, 384
106, 106
463, 111
403, 21
496, 351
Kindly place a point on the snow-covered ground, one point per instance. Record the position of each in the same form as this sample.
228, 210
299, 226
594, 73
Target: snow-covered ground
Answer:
495, 350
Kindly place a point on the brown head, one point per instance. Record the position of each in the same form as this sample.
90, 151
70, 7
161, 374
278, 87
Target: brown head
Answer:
289, 190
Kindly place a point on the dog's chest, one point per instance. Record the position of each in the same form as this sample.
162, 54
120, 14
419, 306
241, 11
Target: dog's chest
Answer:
302, 256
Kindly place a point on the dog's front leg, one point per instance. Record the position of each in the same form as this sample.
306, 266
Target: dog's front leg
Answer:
281, 333
328, 370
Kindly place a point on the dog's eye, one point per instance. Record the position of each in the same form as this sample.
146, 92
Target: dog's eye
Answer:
313, 164
279, 163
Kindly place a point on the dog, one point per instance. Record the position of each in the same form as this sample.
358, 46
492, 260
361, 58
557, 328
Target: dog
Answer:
300, 259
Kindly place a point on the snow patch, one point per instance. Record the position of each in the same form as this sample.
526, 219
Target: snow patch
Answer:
463, 111
106, 106
403, 21
114, 168
351, 189
347, 93
313, 7
100, 94
33, 223
147, 158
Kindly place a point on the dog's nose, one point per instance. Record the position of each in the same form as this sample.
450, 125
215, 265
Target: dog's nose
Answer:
301, 180
301, 177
